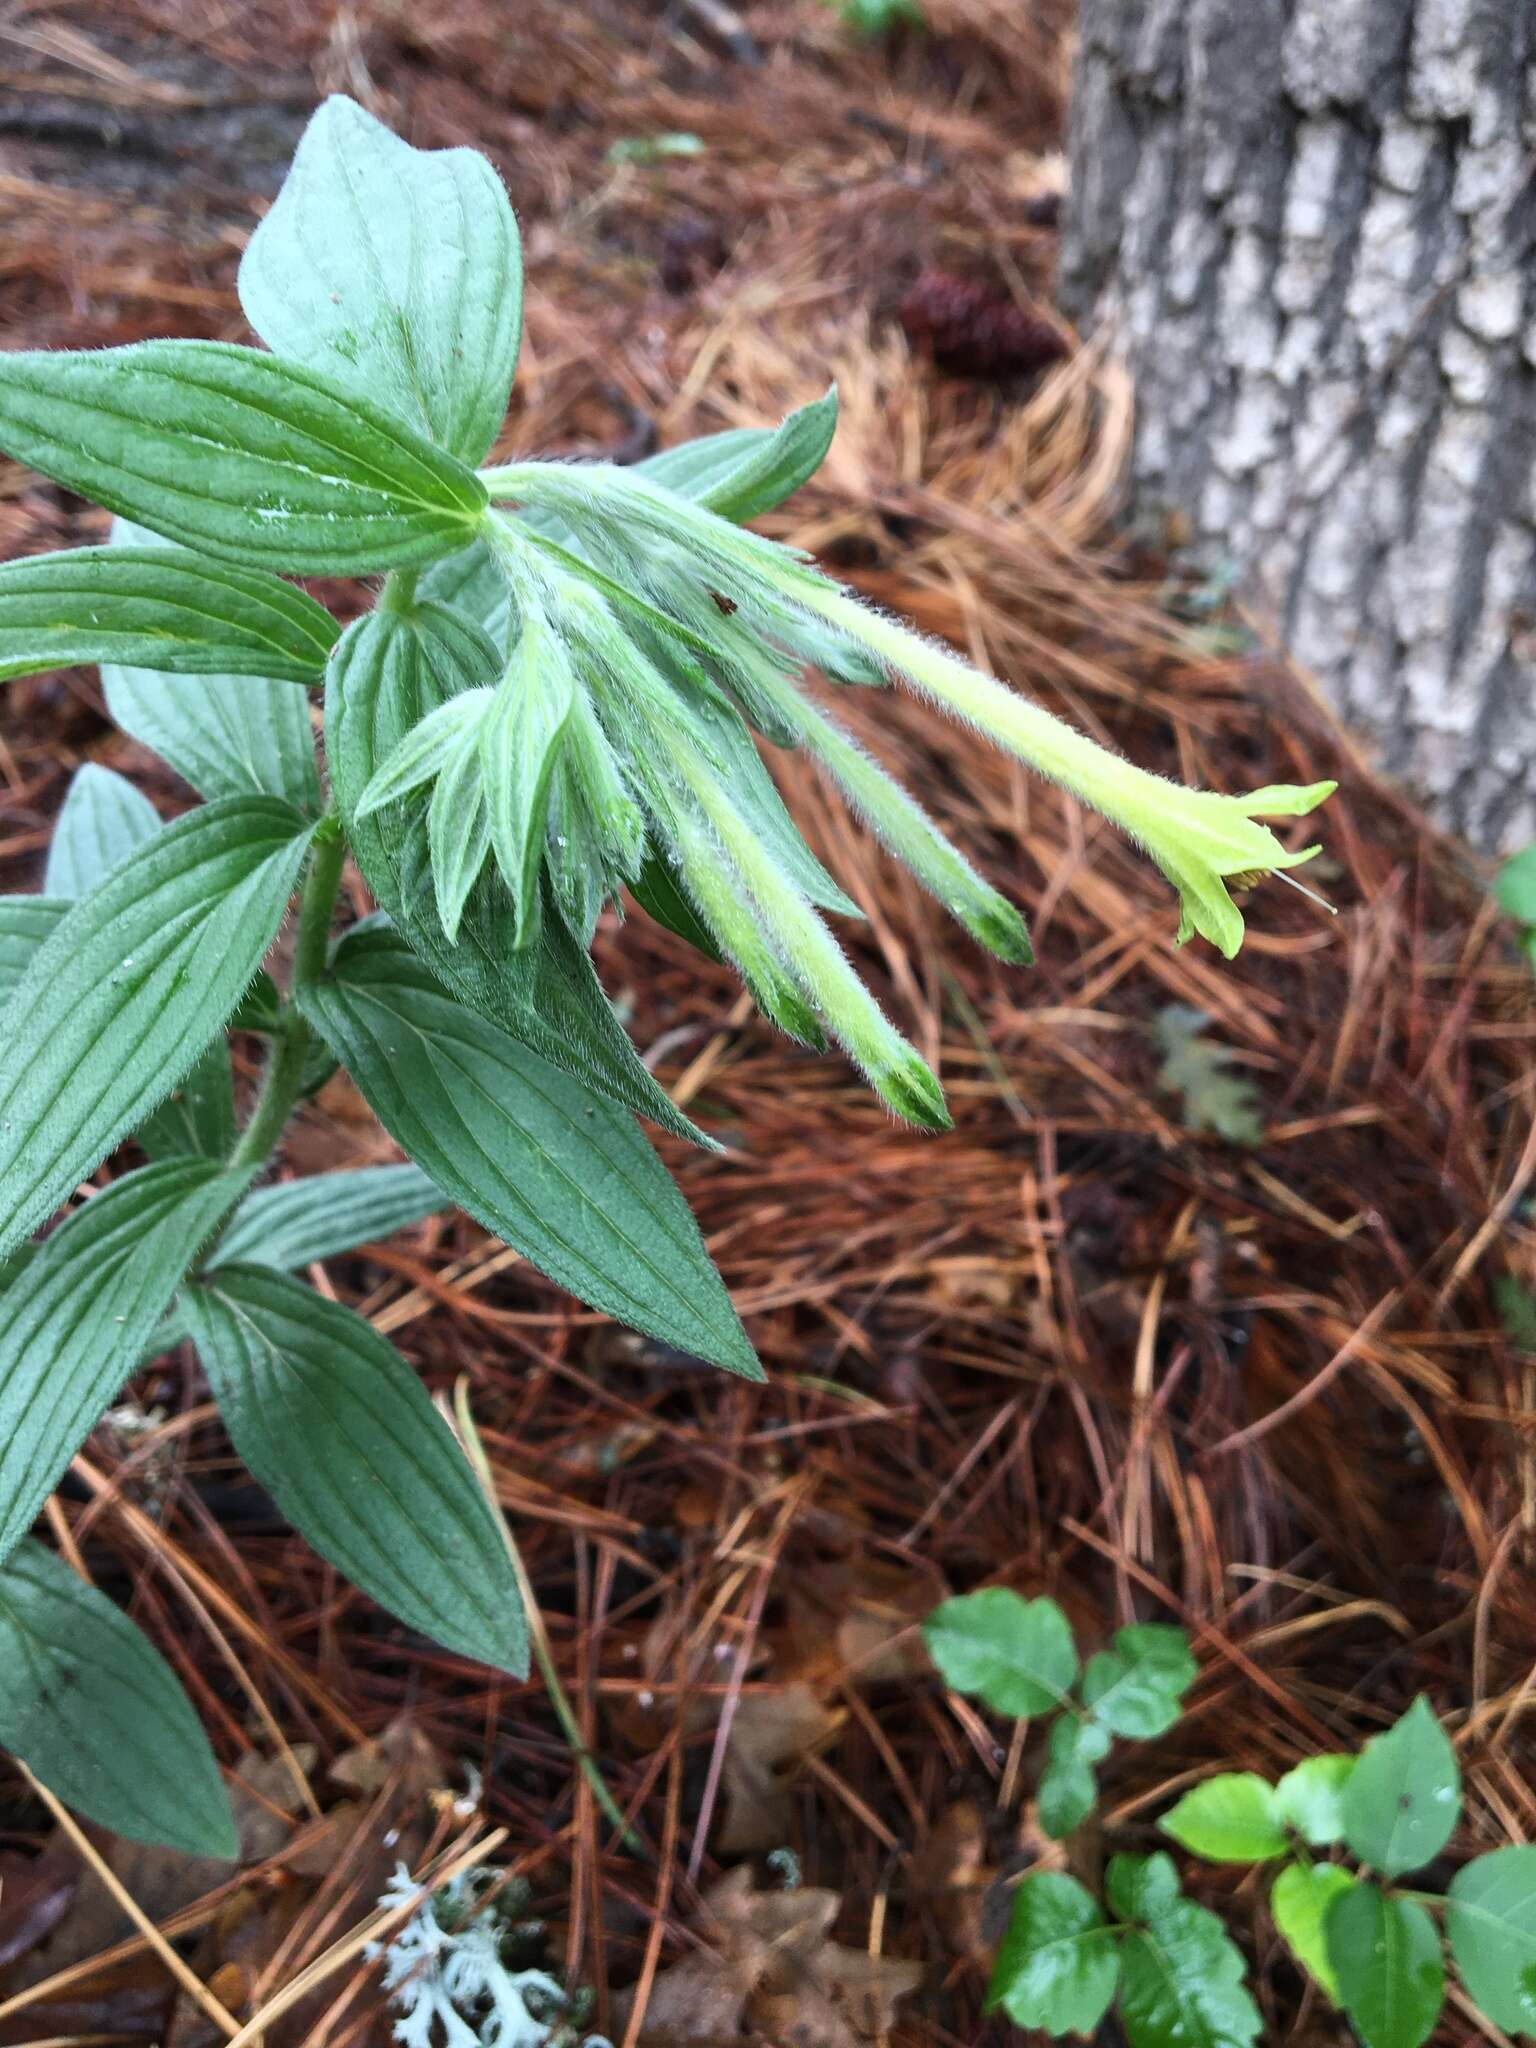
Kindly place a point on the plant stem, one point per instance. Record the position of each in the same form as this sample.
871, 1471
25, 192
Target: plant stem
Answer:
469, 1437
399, 592
284, 1076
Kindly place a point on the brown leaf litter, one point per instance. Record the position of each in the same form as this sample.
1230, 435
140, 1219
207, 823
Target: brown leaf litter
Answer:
1074, 1347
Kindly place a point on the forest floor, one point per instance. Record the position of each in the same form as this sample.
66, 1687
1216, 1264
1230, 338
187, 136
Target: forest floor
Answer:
1081, 1346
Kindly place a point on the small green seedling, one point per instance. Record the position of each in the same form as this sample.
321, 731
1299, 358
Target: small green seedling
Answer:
1067, 1956
1198, 1069
1514, 889
1369, 1943
551, 706
877, 18
1019, 1658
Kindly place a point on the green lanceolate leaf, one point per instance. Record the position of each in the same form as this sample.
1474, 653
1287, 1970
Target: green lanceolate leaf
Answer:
1490, 1919
339, 1430
396, 271
1403, 1797
101, 820
1310, 1798
96, 1712
425, 751
558, 1173
1228, 1819
777, 466
75, 1320
1515, 886
1058, 1963
1181, 1975
160, 608
1068, 1787
197, 1118
458, 833
520, 742
132, 984
1017, 1655
473, 584
1137, 1688
25, 922
237, 455
293, 1222
387, 673
1300, 1901
660, 894
1386, 1961
721, 735
749, 469
226, 735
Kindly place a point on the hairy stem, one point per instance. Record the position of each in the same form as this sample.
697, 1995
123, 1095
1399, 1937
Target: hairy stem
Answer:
284, 1076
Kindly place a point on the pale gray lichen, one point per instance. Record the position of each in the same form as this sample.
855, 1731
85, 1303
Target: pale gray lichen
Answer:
448, 1972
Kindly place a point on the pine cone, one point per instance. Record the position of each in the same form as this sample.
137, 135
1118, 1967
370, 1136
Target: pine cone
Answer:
975, 329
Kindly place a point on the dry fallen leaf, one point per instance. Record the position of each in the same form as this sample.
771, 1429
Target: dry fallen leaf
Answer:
950, 1874
266, 1798
773, 1972
771, 1731
401, 1752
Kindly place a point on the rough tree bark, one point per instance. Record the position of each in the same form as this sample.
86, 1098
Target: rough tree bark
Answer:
1310, 226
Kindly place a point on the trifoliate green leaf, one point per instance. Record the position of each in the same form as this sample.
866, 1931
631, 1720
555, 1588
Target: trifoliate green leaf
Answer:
1068, 1787
1228, 1819
1386, 1960
1490, 1920
1016, 1655
1403, 1798
1310, 1798
1300, 1901
1181, 1975
1058, 1963
1137, 1688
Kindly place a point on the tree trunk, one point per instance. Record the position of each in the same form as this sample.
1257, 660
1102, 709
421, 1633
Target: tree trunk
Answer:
1308, 227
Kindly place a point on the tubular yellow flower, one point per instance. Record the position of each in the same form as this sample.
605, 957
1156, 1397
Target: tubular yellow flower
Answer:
1199, 839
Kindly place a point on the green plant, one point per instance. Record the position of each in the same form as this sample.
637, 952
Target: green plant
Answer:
1514, 890
1019, 1657
1198, 1069
1368, 1943
1065, 1959
545, 706
875, 18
